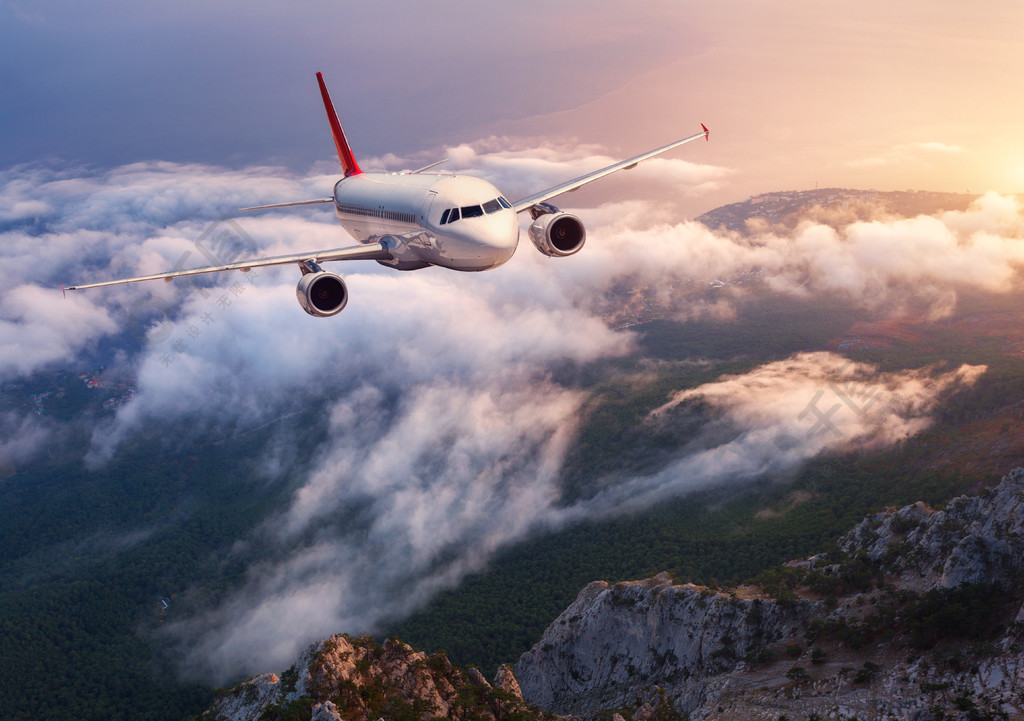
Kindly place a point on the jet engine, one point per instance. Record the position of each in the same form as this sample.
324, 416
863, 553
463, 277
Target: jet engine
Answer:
558, 234
322, 294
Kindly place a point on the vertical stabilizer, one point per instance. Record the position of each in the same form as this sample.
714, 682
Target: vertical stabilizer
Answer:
348, 162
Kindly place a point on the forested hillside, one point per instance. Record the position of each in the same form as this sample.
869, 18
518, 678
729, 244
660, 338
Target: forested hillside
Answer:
727, 535
99, 560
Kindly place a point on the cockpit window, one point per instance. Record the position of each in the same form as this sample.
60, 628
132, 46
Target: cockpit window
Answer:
474, 211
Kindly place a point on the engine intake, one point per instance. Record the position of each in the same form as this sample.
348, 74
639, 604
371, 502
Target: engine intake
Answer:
557, 235
322, 294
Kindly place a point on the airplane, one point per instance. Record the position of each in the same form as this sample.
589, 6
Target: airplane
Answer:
414, 219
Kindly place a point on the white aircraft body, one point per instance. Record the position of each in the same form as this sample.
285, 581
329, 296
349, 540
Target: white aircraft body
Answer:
415, 219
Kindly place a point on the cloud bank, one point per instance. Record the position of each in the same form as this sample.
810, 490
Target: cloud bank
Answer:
788, 411
402, 505
446, 429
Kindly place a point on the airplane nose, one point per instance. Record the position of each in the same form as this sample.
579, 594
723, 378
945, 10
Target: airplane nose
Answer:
481, 243
498, 238
505, 236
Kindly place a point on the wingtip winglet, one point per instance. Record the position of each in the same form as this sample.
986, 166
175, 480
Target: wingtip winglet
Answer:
707, 133
63, 290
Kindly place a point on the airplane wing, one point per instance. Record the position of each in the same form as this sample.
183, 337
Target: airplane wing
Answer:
370, 251
293, 204
570, 185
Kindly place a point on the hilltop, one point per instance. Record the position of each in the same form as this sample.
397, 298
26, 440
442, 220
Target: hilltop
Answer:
832, 206
357, 679
917, 613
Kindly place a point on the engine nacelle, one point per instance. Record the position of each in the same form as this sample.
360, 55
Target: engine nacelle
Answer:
557, 235
322, 294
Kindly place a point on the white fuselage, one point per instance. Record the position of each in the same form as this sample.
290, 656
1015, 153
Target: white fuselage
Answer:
452, 221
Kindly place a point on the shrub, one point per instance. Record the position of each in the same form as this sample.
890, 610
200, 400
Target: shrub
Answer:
797, 674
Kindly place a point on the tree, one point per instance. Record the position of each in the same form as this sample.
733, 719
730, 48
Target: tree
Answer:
797, 674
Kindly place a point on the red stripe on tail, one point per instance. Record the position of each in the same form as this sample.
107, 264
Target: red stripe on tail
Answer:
348, 161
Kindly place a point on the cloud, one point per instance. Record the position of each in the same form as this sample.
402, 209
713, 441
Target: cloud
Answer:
38, 327
519, 173
934, 147
912, 153
22, 439
400, 508
447, 429
897, 266
780, 415
33, 18
251, 350
402, 504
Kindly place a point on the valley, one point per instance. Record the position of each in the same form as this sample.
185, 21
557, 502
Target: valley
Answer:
98, 562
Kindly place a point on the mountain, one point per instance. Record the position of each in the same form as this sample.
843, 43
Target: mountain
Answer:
118, 580
917, 613
356, 679
832, 206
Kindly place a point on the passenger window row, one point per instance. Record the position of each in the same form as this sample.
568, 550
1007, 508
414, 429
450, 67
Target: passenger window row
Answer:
474, 211
377, 213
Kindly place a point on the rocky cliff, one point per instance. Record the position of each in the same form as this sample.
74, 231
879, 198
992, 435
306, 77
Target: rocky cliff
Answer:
615, 641
357, 679
916, 615
977, 539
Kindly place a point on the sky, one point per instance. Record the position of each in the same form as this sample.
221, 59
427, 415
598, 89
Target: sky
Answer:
130, 132
890, 96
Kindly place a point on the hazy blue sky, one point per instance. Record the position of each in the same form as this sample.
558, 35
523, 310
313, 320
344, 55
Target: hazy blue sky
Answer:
862, 94
232, 82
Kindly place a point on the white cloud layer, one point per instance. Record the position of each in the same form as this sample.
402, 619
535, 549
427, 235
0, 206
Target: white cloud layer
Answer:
22, 439
462, 469
447, 432
919, 153
791, 410
520, 173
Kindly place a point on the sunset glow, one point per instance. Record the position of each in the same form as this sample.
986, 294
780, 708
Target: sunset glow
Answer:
854, 94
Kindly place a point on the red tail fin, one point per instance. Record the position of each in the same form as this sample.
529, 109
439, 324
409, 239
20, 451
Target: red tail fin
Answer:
348, 162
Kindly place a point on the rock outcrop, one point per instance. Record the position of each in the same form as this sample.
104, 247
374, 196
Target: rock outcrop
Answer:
916, 615
358, 680
615, 641
975, 539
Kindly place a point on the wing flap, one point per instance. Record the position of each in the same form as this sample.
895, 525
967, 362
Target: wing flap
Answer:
370, 251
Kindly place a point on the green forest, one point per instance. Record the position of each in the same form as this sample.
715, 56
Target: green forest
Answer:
81, 592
